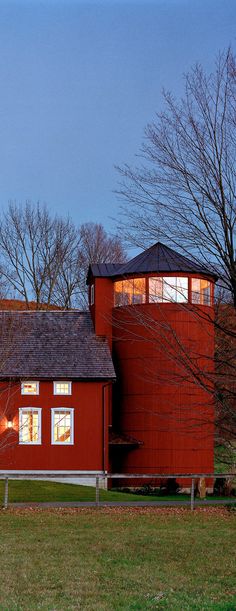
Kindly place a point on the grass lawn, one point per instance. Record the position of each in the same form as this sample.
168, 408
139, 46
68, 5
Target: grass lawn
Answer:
42, 491
118, 559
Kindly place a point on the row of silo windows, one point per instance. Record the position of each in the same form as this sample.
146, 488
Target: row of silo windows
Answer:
162, 290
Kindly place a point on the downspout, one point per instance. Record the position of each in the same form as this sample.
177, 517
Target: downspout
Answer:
105, 450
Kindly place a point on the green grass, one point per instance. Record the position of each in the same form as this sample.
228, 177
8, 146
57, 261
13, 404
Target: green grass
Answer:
41, 491
117, 560
27, 491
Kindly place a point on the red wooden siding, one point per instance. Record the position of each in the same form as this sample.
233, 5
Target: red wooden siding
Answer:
86, 454
101, 311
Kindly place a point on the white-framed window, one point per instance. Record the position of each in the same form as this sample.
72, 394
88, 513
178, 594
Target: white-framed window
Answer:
30, 425
62, 388
62, 426
29, 388
168, 289
92, 294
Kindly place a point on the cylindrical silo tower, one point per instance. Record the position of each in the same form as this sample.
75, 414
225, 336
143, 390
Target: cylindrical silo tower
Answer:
158, 312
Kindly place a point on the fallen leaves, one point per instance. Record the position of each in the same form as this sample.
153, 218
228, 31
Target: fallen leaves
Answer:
129, 511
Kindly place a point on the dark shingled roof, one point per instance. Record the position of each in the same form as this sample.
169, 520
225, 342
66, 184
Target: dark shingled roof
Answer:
54, 345
157, 258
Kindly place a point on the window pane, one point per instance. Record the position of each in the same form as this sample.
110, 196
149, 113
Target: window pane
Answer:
139, 292
29, 430
169, 289
155, 290
181, 290
201, 291
62, 388
195, 290
29, 388
130, 291
118, 293
206, 292
62, 426
127, 292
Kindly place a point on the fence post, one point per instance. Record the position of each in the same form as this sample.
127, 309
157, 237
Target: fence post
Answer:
97, 491
192, 494
5, 506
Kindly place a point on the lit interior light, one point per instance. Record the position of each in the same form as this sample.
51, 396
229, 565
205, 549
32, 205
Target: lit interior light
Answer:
9, 424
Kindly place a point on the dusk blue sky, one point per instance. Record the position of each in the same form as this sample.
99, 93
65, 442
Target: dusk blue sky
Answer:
79, 82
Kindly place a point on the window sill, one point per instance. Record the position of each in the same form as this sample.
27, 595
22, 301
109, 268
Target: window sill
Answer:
30, 443
61, 443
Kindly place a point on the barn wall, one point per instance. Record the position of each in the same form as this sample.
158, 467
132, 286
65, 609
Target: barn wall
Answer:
86, 454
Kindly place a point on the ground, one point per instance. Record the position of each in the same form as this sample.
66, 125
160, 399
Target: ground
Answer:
113, 559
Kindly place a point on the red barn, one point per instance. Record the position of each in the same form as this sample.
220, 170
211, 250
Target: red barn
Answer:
150, 328
55, 393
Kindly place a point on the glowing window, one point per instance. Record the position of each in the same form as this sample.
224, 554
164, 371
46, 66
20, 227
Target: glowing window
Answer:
119, 298
155, 290
29, 425
62, 388
29, 388
63, 426
128, 292
139, 290
175, 289
168, 289
201, 291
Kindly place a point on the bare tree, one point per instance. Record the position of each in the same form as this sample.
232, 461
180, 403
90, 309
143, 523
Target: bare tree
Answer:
93, 245
4, 285
183, 193
45, 258
96, 246
33, 246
